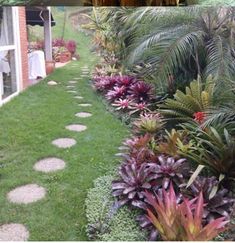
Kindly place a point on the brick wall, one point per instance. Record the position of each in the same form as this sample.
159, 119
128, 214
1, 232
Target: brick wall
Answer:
24, 46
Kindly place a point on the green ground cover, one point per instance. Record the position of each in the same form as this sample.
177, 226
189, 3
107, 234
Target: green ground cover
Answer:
28, 125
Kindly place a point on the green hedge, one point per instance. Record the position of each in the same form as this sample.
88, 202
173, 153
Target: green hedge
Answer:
105, 221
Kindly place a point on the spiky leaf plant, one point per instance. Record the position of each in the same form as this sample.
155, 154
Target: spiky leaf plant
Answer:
181, 222
217, 200
148, 123
135, 180
170, 170
214, 148
198, 97
139, 149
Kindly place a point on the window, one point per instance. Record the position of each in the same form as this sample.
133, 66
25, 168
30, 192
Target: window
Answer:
9, 77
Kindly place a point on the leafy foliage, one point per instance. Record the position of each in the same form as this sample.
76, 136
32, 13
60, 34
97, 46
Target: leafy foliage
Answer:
218, 203
215, 148
185, 106
148, 123
181, 221
135, 180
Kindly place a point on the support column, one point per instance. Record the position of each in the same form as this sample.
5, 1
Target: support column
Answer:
47, 34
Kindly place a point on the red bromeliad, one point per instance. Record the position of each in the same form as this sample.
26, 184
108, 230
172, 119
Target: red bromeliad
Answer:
199, 117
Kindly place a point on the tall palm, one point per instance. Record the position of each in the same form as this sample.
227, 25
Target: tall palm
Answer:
192, 41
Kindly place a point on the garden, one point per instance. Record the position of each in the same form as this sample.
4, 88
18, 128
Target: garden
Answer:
169, 76
149, 108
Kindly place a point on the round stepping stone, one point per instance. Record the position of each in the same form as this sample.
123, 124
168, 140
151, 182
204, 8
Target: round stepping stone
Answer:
26, 194
13, 232
72, 82
49, 165
83, 114
78, 97
70, 86
76, 127
64, 142
72, 91
85, 105
52, 83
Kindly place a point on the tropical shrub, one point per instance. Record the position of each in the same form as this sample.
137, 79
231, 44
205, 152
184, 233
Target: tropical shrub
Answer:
138, 148
192, 104
217, 199
181, 221
148, 123
134, 181
214, 148
137, 178
174, 143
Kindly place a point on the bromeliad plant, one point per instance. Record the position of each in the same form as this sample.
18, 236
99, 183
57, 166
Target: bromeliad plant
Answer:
217, 199
148, 123
214, 148
140, 149
135, 180
181, 222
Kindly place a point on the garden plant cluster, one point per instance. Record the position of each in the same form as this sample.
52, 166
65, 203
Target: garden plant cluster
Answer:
176, 175
59, 47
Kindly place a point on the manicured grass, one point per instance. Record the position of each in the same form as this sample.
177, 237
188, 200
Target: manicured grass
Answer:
28, 125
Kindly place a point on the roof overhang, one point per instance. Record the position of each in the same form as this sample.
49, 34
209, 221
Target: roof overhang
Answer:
34, 16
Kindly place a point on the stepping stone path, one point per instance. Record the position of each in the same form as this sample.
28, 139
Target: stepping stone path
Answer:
83, 114
64, 142
31, 193
26, 194
49, 165
78, 97
52, 83
13, 232
76, 127
72, 91
85, 105
72, 82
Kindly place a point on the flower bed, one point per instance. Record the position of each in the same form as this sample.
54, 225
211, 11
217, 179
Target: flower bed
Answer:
178, 166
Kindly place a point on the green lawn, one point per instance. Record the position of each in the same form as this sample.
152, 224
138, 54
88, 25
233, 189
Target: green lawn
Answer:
28, 125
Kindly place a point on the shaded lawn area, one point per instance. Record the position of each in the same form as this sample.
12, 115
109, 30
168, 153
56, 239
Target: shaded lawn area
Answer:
29, 123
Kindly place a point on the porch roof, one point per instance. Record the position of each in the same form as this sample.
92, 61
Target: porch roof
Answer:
34, 16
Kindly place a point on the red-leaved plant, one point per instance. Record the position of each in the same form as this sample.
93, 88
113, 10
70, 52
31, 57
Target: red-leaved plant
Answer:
181, 222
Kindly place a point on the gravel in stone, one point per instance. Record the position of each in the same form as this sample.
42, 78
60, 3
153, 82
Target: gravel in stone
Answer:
83, 114
72, 82
64, 142
78, 97
85, 105
49, 165
52, 83
26, 194
13, 232
76, 127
